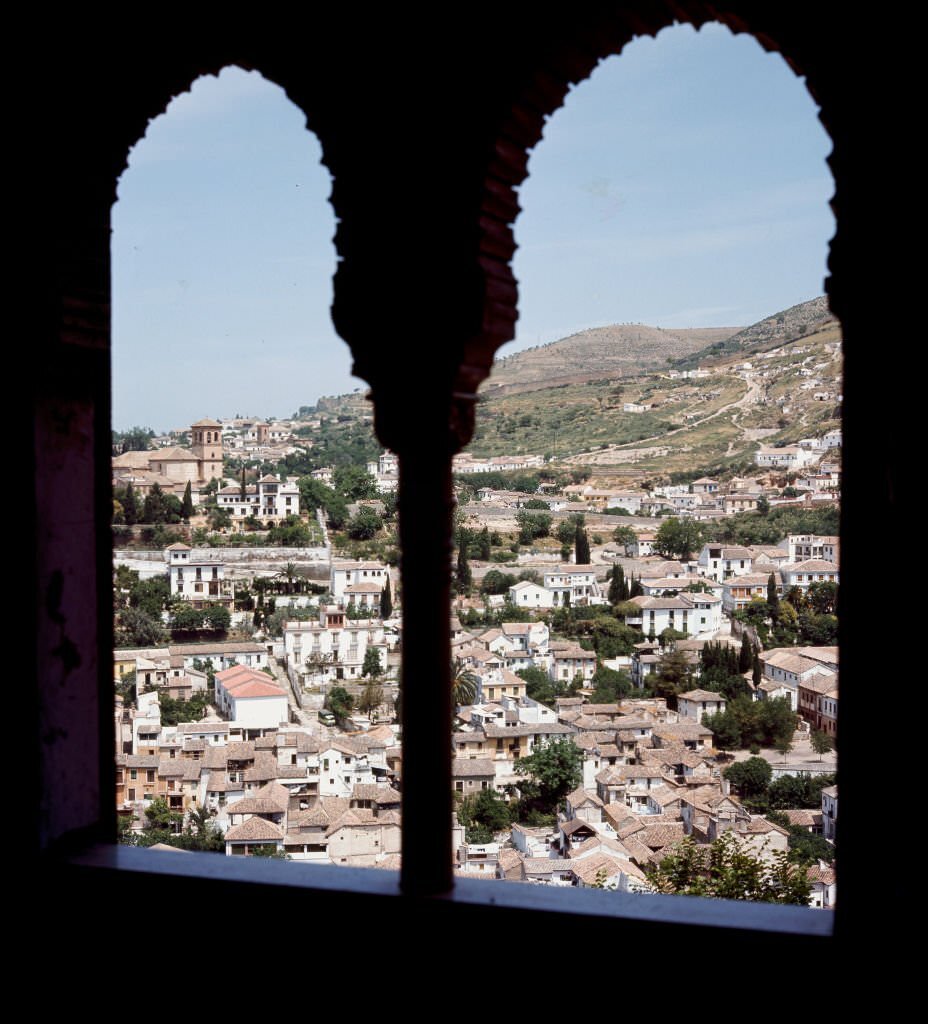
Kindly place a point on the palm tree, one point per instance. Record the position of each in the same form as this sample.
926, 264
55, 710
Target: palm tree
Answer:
464, 683
290, 572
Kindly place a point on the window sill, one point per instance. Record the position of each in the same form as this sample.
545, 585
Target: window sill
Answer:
124, 869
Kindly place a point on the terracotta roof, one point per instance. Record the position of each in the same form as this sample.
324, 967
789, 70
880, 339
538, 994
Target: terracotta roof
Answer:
469, 767
700, 695
255, 830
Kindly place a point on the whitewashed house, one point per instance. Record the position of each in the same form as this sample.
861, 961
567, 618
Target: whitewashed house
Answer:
573, 585
272, 499
696, 614
346, 574
719, 561
251, 698
332, 648
197, 576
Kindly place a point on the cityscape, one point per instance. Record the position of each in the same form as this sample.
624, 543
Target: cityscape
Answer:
643, 629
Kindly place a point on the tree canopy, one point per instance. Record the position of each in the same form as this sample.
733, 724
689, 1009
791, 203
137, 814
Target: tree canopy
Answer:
551, 771
727, 869
678, 538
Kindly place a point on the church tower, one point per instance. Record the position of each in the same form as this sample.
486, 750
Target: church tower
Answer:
206, 444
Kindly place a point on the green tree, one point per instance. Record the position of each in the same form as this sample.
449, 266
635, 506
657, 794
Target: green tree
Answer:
581, 546
678, 538
672, 676
746, 655
551, 771
823, 597
371, 666
464, 683
463, 578
610, 686
539, 685
354, 483
186, 505
366, 524
624, 535
566, 530
386, 600
216, 617
532, 525
157, 508
483, 545
496, 582
340, 702
135, 628
483, 816
618, 588
821, 742
130, 507
750, 777
773, 598
727, 869
371, 697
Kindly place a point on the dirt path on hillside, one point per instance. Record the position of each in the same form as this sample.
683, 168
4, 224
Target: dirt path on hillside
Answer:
611, 454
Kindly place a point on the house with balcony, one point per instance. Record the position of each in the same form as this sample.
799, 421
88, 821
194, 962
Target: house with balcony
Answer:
572, 585
271, 499
332, 648
198, 576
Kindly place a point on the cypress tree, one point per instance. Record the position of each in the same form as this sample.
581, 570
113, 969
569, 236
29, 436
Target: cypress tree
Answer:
756, 671
484, 541
746, 656
773, 599
637, 590
386, 600
243, 489
464, 578
130, 507
615, 585
186, 505
581, 546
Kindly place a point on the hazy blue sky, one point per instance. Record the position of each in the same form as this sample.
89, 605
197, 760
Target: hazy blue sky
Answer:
683, 185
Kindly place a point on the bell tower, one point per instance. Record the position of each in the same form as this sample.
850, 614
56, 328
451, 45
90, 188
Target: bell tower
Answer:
206, 444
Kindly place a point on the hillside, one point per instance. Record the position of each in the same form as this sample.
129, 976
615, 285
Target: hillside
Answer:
600, 352
788, 390
778, 329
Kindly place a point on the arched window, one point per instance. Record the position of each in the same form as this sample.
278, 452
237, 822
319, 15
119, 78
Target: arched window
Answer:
395, 250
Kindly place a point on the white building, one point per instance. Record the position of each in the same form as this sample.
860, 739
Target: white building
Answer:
696, 703
347, 574
530, 595
197, 576
251, 698
270, 499
719, 561
573, 585
804, 574
332, 648
696, 614
791, 457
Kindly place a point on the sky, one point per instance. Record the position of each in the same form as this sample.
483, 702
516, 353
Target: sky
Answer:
683, 184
